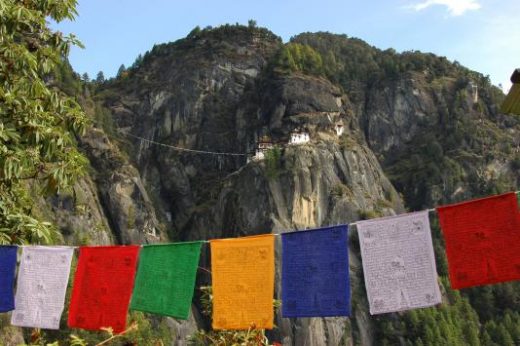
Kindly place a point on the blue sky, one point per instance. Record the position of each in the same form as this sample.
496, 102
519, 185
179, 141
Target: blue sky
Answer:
483, 35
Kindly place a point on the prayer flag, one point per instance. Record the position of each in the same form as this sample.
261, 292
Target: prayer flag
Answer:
482, 240
243, 282
102, 287
165, 279
315, 273
398, 263
7, 273
41, 287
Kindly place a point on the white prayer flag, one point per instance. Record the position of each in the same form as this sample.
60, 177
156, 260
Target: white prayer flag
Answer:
41, 286
398, 263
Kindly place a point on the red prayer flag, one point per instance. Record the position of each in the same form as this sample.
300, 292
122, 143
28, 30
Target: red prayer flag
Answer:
482, 240
102, 287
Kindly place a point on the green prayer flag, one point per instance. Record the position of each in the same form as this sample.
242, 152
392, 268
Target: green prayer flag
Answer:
165, 279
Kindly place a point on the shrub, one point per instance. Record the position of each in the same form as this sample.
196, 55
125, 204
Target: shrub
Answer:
273, 162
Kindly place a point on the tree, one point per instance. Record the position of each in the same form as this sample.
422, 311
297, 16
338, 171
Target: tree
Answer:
193, 33
299, 57
503, 337
251, 23
85, 77
285, 60
37, 120
121, 71
138, 61
100, 77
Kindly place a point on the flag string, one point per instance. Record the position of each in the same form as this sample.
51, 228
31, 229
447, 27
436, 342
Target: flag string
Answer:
430, 210
254, 258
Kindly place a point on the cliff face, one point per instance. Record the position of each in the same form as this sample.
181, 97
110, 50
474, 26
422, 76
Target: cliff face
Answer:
441, 120
415, 130
225, 103
190, 100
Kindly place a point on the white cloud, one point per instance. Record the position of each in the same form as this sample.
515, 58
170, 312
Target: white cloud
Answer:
455, 7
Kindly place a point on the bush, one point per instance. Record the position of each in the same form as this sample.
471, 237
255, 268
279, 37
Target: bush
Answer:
273, 162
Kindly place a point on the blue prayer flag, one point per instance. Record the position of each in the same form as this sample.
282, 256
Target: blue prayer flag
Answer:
315, 277
7, 272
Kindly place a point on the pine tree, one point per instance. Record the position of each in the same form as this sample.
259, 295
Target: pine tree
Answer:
100, 77
138, 61
429, 336
193, 33
121, 71
287, 60
486, 339
85, 77
503, 337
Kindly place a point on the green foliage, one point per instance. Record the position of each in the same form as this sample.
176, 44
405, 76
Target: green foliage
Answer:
218, 36
504, 330
195, 32
140, 332
450, 152
66, 79
100, 77
341, 190
77, 341
273, 162
137, 63
121, 72
131, 217
296, 57
103, 119
454, 324
348, 61
37, 121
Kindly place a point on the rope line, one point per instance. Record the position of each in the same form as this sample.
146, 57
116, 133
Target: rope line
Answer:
430, 210
193, 151
274, 234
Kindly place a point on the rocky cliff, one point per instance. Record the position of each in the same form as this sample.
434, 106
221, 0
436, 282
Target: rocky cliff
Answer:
226, 104
387, 131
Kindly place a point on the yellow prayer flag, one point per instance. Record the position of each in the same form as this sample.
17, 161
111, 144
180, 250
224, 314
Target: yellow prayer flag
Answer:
243, 282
